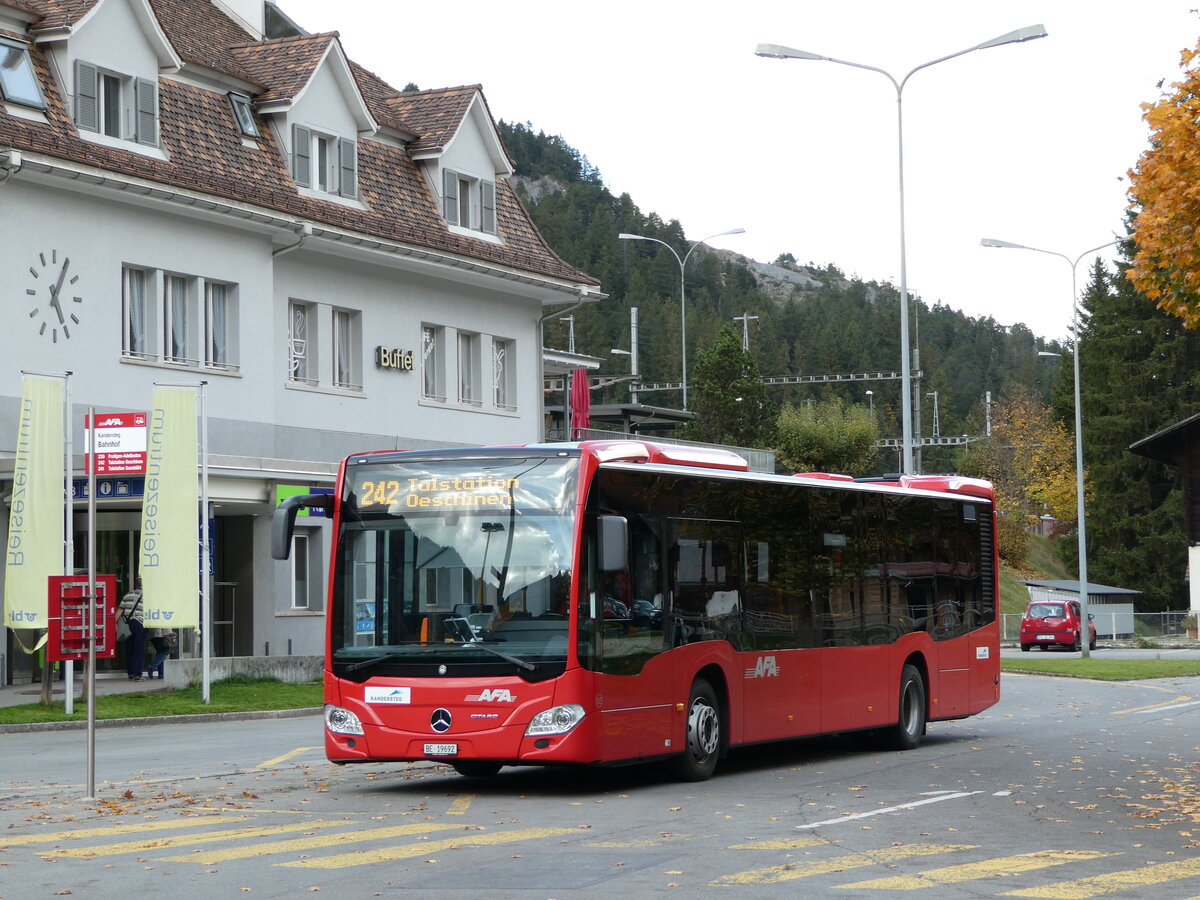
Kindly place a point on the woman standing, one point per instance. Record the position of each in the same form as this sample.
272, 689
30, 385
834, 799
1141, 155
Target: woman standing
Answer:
135, 647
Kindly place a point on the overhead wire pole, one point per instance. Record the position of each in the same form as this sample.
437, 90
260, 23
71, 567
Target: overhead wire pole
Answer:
777, 51
1081, 525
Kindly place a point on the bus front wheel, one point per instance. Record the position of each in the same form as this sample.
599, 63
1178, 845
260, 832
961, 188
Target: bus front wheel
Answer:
906, 734
703, 744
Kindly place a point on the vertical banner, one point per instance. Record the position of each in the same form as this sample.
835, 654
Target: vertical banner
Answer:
167, 557
34, 550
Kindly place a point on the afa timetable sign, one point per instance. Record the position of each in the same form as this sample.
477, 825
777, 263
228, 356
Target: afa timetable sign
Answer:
120, 443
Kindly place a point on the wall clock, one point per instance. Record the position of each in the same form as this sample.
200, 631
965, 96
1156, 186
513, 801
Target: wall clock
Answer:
55, 295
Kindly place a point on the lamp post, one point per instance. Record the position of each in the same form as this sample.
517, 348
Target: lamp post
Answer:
776, 51
682, 306
1081, 527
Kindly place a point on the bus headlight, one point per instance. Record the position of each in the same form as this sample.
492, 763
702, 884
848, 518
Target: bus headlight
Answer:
341, 721
556, 720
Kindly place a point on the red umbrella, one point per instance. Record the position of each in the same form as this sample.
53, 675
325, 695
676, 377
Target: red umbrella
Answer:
581, 403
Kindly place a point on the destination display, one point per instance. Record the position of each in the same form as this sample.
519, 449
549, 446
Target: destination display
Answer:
436, 493
520, 484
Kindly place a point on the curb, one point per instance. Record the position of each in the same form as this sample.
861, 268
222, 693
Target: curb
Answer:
199, 718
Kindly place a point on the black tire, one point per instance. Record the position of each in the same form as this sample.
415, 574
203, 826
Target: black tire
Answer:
704, 732
477, 768
1092, 644
906, 734
1078, 645
1025, 648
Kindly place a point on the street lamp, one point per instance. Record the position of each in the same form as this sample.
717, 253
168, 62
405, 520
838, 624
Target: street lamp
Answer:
1081, 528
775, 51
682, 308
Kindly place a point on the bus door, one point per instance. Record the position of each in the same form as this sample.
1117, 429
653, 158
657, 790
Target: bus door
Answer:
624, 616
855, 675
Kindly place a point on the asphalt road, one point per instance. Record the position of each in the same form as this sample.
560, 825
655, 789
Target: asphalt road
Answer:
1066, 789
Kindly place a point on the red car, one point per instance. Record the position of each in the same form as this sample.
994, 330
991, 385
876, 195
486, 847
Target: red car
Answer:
1050, 622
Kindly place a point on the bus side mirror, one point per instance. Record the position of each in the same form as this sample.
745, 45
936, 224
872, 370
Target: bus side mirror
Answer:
284, 522
612, 540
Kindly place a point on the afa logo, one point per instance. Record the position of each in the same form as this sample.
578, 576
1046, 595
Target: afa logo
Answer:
765, 667
497, 695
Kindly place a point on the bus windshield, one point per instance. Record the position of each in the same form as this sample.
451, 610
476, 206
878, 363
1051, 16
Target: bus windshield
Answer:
454, 567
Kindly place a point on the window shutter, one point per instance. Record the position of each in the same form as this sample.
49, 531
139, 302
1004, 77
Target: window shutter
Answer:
348, 161
450, 196
301, 155
87, 97
487, 194
146, 92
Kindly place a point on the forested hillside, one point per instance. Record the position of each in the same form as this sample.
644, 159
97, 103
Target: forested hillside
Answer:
829, 324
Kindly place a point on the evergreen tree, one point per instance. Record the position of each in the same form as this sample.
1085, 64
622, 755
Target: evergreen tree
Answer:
728, 397
1138, 375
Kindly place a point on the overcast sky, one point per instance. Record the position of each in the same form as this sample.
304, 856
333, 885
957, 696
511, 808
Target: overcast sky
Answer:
1027, 143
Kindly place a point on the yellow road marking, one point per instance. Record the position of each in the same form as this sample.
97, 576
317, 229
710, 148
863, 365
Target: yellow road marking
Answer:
207, 837
1182, 698
791, 871
281, 759
791, 844
307, 843
460, 806
425, 848
19, 840
990, 868
1135, 879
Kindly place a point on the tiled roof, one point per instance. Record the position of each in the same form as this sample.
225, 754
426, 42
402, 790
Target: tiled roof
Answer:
283, 66
434, 115
207, 154
56, 13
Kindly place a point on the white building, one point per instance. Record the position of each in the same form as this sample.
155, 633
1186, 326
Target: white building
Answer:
197, 190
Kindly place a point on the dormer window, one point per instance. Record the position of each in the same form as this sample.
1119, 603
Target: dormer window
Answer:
243, 114
469, 202
116, 105
18, 81
324, 162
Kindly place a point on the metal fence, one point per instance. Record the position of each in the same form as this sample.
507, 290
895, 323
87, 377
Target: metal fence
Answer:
1148, 626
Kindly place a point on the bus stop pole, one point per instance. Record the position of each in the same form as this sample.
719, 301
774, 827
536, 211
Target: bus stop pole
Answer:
91, 602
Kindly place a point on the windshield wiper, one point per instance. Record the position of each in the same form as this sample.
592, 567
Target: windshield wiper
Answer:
508, 657
387, 657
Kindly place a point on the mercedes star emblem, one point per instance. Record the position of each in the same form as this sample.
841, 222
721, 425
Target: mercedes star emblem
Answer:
440, 720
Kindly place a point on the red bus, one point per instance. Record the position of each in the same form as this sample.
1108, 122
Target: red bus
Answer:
611, 602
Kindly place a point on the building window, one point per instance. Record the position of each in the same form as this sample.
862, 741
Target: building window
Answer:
177, 335
433, 378
302, 366
324, 162
300, 557
220, 351
503, 374
116, 105
180, 319
469, 202
18, 81
468, 368
347, 365
135, 338
243, 114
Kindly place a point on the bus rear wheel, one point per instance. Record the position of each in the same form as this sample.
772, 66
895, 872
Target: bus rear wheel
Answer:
703, 745
476, 768
907, 732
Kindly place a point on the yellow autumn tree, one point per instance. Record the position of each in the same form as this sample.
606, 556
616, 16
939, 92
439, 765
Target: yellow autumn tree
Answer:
1165, 198
1030, 461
